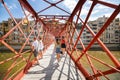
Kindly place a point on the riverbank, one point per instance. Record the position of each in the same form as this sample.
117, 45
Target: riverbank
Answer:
96, 47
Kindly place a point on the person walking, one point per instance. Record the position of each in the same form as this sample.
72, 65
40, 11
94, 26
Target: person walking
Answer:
40, 47
35, 49
63, 45
57, 46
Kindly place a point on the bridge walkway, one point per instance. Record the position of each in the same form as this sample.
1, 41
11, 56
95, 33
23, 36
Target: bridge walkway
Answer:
50, 69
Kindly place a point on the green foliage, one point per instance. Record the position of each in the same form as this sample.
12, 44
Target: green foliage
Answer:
101, 55
5, 66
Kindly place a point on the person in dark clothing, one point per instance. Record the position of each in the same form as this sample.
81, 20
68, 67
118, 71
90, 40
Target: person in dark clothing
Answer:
63, 45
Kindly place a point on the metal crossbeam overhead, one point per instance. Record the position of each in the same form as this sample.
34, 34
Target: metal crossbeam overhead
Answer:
28, 7
76, 9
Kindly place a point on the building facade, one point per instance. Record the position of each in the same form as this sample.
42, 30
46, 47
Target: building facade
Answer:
111, 35
16, 36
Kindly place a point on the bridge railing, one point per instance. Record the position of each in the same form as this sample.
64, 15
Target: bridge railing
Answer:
15, 45
83, 58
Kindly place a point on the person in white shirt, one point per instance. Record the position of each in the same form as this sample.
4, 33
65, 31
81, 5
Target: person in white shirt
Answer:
40, 47
35, 49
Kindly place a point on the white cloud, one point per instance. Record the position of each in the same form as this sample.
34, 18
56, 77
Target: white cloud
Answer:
1, 4
55, 0
12, 6
101, 7
9, 7
29, 17
108, 14
118, 16
98, 11
70, 4
26, 12
84, 12
92, 18
110, 1
85, 8
57, 14
95, 11
89, 2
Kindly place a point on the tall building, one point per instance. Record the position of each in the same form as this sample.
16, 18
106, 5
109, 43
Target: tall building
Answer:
1, 30
111, 35
16, 36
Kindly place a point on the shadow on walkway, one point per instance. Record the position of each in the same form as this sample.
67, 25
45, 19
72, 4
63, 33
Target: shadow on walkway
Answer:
50, 70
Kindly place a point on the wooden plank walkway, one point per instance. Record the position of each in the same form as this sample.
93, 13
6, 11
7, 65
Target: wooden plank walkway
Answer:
50, 70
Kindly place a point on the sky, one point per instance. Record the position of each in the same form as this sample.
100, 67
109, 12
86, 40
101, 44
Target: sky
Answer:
68, 5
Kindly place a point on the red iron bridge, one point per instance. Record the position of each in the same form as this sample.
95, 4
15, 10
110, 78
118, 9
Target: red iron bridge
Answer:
76, 64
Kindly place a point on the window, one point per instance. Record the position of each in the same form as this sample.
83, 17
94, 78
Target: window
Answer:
94, 24
100, 23
117, 20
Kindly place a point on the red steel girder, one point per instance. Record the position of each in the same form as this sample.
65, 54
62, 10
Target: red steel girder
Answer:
106, 4
90, 11
54, 15
10, 31
51, 17
102, 30
76, 9
7, 9
55, 5
95, 37
51, 5
105, 73
100, 43
94, 71
28, 7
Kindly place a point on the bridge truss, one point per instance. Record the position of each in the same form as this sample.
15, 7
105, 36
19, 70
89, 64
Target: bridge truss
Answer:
50, 26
